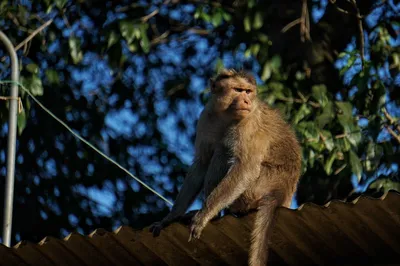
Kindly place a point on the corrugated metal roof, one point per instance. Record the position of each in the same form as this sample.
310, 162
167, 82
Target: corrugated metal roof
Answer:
365, 231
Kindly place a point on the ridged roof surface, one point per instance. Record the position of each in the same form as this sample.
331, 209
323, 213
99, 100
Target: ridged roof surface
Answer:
365, 231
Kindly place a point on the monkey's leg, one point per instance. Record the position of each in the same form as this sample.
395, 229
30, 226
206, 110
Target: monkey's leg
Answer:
239, 177
263, 224
190, 189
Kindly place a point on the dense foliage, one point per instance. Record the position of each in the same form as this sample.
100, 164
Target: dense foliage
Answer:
132, 79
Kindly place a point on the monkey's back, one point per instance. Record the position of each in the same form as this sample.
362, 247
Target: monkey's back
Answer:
283, 146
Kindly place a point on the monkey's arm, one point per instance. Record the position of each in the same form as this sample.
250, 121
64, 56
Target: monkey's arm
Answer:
188, 192
236, 181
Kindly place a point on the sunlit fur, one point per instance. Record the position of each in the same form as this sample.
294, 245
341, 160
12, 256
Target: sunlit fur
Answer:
244, 160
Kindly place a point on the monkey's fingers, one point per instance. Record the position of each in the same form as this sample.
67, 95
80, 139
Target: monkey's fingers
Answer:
191, 233
194, 233
156, 229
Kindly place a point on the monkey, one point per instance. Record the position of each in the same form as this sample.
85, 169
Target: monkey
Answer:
247, 157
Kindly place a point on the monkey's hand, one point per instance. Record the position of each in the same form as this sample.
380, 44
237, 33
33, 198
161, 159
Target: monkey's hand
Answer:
197, 226
156, 228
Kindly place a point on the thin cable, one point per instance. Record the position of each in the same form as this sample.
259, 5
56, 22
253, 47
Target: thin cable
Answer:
85, 141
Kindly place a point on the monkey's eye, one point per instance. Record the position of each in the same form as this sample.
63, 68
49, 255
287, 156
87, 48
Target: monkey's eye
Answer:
248, 91
238, 89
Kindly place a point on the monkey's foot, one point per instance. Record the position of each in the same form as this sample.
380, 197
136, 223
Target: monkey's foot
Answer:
156, 228
197, 226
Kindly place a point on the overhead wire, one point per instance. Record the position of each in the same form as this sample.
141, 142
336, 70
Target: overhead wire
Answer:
84, 140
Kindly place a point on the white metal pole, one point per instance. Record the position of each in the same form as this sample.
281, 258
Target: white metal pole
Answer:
12, 137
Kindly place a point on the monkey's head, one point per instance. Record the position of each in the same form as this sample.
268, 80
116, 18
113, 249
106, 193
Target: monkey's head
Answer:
234, 94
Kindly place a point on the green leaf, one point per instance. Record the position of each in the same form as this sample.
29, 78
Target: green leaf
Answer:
127, 29
60, 3
247, 53
206, 17
144, 42
319, 94
52, 76
311, 158
137, 32
354, 137
21, 122
371, 150
22, 15
316, 145
346, 108
350, 62
255, 48
258, 20
113, 38
385, 185
263, 37
33, 84
326, 116
303, 111
49, 6
328, 139
266, 74
251, 3
33, 68
216, 19
226, 16
198, 12
343, 144
308, 130
374, 153
219, 65
378, 98
246, 23
329, 162
75, 49
356, 166
300, 75
351, 129
275, 63
133, 47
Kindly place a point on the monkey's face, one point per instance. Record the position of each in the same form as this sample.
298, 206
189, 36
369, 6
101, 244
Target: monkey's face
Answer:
234, 97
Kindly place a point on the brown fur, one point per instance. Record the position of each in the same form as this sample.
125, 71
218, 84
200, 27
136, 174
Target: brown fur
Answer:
247, 157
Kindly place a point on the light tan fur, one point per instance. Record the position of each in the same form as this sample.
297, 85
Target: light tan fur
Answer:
247, 157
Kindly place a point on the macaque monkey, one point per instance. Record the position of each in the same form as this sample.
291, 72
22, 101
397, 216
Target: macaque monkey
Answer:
246, 157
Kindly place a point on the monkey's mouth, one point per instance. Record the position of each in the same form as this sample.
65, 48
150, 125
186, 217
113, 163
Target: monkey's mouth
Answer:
241, 109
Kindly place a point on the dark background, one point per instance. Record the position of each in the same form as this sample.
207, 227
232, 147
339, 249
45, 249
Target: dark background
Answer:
132, 78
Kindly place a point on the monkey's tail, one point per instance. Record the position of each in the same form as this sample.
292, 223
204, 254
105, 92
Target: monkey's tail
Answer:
262, 229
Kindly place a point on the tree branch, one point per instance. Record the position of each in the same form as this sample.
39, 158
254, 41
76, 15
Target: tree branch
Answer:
393, 133
360, 32
305, 23
30, 37
33, 34
359, 17
290, 25
392, 122
340, 169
